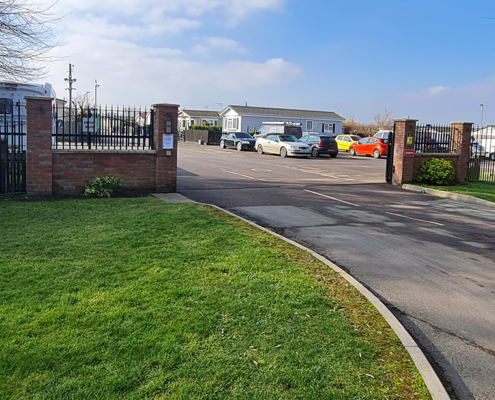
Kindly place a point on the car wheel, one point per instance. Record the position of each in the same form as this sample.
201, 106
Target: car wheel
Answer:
376, 154
314, 152
222, 144
333, 155
283, 152
352, 152
260, 149
492, 156
239, 146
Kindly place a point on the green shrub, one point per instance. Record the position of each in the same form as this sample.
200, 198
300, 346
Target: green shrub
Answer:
206, 127
102, 186
435, 171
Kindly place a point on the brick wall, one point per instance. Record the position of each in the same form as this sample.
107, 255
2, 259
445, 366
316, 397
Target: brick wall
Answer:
71, 169
64, 172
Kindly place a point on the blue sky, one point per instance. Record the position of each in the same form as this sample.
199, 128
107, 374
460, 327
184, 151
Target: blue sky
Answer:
430, 60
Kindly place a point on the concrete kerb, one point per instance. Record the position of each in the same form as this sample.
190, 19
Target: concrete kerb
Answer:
430, 377
449, 195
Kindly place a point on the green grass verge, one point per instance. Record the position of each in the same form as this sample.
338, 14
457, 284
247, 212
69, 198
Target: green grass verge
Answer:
480, 189
137, 299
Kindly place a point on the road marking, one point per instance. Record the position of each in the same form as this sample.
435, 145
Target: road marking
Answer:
415, 219
309, 171
246, 176
329, 197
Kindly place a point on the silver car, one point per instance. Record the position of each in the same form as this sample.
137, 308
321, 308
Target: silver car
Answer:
285, 145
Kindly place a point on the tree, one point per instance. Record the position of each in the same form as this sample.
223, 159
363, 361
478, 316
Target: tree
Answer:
26, 37
384, 121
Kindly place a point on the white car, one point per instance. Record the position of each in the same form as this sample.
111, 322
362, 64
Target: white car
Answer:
284, 145
382, 134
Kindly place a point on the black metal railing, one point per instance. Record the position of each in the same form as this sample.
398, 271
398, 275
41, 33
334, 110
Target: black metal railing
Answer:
482, 161
98, 128
12, 147
434, 139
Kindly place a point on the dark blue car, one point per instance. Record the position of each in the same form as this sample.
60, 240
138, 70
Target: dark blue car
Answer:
239, 140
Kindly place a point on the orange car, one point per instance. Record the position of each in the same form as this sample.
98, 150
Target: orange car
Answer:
370, 146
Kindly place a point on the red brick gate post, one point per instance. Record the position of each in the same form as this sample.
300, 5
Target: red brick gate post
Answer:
38, 146
461, 132
165, 141
405, 130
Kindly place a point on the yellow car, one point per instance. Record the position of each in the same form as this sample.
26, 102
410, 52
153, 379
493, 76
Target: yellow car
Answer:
344, 141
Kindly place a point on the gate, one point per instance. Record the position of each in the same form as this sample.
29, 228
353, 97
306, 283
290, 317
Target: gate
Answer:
482, 160
12, 147
390, 157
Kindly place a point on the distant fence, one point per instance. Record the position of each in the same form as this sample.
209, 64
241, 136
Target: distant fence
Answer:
482, 161
434, 139
109, 128
208, 137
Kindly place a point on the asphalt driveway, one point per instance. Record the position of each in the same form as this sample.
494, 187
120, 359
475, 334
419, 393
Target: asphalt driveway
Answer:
431, 260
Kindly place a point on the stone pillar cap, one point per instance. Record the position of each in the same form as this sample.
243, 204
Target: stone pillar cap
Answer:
38, 98
462, 122
165, 105
405, 119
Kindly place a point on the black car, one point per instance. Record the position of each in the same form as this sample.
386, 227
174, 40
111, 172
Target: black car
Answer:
321, 144
239, 140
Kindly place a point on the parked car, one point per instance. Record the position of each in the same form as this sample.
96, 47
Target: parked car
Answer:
239, 140
285, 145
371, 146
344, 141
382, 134
321, 144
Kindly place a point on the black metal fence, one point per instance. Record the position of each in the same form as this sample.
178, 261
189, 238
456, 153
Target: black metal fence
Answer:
12, 148
434, 139
109, 128
482, 161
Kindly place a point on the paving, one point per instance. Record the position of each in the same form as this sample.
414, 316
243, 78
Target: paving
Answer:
431, 260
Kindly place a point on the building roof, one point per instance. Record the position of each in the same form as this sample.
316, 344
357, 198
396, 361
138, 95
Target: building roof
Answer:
201, 113
285, 112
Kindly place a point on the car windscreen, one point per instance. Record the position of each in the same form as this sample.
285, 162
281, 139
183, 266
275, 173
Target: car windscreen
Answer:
355, 138
326, 139
242, 135
287, 138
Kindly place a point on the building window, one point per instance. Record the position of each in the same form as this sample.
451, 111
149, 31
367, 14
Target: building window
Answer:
309, 125
236, 123
229, 123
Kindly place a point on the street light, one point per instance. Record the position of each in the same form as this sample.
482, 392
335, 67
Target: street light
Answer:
96, 92
87, 98
481, 105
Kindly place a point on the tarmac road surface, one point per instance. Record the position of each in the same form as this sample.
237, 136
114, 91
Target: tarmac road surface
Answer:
431, 260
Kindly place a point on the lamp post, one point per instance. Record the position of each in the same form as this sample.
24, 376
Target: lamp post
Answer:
481, 105
96, 93
87, 98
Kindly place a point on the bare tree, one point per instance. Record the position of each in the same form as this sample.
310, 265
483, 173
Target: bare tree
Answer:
83, 100
26, 37
384, 121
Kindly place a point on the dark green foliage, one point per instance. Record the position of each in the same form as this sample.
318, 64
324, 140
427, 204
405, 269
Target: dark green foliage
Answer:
212, 128
436, 171
102, 186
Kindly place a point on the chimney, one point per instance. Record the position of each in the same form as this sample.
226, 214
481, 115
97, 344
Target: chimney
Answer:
246, 104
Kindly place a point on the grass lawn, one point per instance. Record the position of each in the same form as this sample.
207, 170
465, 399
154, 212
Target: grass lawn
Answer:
138, 299
481, 189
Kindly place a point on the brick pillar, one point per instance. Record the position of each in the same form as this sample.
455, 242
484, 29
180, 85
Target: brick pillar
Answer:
461, 132
165, 123
38, 146
405, 130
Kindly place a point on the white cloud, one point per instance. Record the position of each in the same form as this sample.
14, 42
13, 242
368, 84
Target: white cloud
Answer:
131, 74
437, 104
226, 44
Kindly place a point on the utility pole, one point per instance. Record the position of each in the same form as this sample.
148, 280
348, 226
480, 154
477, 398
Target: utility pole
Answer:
70, 89
96, 93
